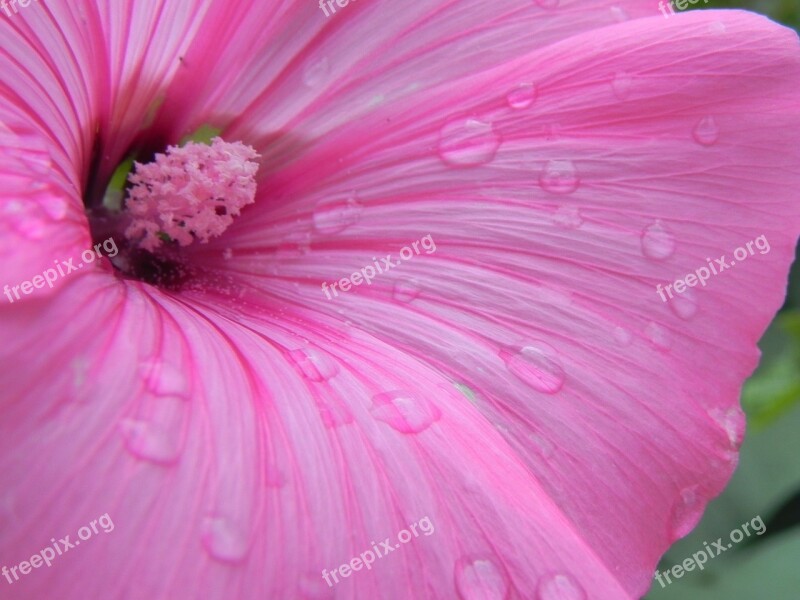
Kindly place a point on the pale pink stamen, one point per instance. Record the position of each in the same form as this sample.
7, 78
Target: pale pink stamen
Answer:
191, 192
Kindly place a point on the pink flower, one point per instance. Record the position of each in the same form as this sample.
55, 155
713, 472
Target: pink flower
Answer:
524, 387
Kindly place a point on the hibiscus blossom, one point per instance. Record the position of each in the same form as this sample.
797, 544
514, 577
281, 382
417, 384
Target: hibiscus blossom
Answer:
185, 384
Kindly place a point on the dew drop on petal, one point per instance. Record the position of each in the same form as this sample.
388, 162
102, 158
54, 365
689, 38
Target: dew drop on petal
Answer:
224, 540
522, 96
559, 177
706, 131
622, 336
685, 513
32, 228
658, 335
317, 72
621, 85
468, 142
314, 364
151, 442
684, 305
717, 27
619, 14
480, 579
405, 412
559, 586
568, 217
164, 378
337, 214
658, 242
732, 421
538, 365
405, 290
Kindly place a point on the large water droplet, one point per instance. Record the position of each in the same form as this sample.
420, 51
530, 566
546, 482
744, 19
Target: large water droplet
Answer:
317, 72
733, 423
405, 290
684, 305
559, 177
568, 217
337, 214
468, 142
522, 96
405, 412
619, 14
314, 364
55, 206
658, 335
224, 540
706, 132
621, 84
686, 513
538, 365
559, 586
622, 336
163, 377
480, 579
658, 242
150, 441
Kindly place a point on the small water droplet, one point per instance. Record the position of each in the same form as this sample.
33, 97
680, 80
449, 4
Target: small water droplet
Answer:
337, 214
621, 85
706, 132
559, 586
227, 254
480, 579
559, 177
548, 4
224, 540
468, 142
619, 14
150, 442
686, 513
314, 364
32, 228
522, 96
538, 365
317, 72
165, 378
405, 290
684, 305
405, 412
658, 335
623, 336
733, 423
658, 242
568, 217
717, 28
55, 206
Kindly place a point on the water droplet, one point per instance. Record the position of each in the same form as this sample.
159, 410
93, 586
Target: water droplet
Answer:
684, 305
559, 177
164, 378
522, 96
227, 254
538, 365
549, 4
32, 228
619, 14
480, 579
621, 84
405, 412
55, 206
686, 513
733, 423
623, 336
658, 335
224, 540
468, 142
706, 132
314, 364
559, 586
568, 217
337, 214
317, 72
658, 242
717, 28
405, 290
150, 442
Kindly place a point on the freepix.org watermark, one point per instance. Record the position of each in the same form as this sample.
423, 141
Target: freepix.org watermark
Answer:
49, 554
366, 558
5, 4
50, 276
703, 274
700, 558
368, 273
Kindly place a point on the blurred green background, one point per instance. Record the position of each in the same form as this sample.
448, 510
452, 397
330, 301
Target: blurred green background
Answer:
767, 482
